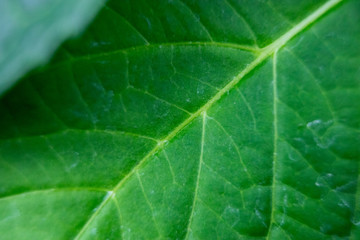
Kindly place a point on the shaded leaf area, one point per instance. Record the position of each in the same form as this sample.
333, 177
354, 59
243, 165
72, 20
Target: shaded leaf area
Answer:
32, 30
183, 129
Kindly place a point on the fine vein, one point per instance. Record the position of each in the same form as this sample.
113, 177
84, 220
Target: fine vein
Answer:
51, 190
275, 124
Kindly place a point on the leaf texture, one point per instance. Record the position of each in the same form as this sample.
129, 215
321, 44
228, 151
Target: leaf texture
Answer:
190, 120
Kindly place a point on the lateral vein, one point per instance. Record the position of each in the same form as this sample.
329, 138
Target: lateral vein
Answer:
198, 176
275, 127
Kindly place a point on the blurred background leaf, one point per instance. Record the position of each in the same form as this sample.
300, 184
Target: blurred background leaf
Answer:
31, 30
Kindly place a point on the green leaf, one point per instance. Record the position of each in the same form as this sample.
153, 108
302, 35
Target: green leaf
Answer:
31, 30
190, 120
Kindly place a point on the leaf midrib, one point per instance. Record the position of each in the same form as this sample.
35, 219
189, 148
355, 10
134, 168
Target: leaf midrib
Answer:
264, 53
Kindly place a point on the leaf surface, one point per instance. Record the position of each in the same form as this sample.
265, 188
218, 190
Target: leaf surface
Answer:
190, 120
31, 30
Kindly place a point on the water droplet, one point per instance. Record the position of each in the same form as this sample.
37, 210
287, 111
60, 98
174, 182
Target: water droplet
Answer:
261, 217
319, 125
282, 222
231, 209
286, 200
344, 204
320, 182
356, 222
313, 123
74, 165
293, 157
323, 144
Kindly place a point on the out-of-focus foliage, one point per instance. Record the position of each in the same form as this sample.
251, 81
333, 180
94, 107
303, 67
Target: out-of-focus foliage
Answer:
31, 30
